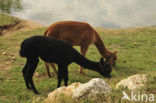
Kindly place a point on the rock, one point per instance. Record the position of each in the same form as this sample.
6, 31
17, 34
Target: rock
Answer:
11, 55
133, 82
13, 58
94, 88
65, 91
7, 63
38, 99
3, 53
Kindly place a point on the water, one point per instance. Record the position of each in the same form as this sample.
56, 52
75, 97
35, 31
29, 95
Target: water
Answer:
98, 13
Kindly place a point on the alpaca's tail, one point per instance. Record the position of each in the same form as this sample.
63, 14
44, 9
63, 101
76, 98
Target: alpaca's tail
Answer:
23, 49
21, 53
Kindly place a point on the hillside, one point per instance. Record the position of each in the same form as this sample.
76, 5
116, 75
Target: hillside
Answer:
136, 54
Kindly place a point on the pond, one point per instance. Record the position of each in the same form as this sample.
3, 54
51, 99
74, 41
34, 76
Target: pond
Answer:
98, 13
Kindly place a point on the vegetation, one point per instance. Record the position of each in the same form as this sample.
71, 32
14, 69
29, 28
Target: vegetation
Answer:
136, 54
7, 20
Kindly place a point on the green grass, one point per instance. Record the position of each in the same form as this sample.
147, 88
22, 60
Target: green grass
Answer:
136, 54
6, 19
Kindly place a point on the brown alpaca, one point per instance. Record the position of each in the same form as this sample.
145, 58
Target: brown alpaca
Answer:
78, 34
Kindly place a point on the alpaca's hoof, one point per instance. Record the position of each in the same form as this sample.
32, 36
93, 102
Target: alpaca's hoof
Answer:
29, 88
81, 72
51, 75
36, 92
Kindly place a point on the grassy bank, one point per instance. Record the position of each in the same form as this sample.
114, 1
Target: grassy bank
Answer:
136, 54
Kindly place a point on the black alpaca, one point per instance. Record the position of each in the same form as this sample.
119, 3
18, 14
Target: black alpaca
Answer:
59, 52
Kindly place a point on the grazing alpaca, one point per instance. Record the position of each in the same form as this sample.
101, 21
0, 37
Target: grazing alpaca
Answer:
78, 34
59, 52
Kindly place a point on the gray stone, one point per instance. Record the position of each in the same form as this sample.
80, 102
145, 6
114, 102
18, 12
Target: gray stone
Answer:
133, 82
92, 89
62, 91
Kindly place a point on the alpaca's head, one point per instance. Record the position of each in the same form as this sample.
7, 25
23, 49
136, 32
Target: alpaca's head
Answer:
105, 68
112, 58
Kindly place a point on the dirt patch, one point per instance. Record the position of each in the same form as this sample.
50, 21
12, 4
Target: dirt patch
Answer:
20, 24
7, 27
10, 58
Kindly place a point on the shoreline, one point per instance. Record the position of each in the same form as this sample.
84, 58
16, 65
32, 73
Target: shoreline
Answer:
37, 24
18, 24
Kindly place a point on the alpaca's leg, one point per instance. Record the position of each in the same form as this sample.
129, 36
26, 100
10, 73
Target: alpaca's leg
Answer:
60, 75
33, 62
66, 76
83, 52
25, 72
54, 68
47, 67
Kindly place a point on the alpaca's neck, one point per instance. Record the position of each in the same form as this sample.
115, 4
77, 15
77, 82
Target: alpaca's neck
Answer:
81, 60
101, 47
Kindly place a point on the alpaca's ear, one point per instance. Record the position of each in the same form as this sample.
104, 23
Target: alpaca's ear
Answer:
102, 61
115, 52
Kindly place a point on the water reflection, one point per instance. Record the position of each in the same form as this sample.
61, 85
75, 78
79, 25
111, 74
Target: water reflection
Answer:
99, 13
7, 6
